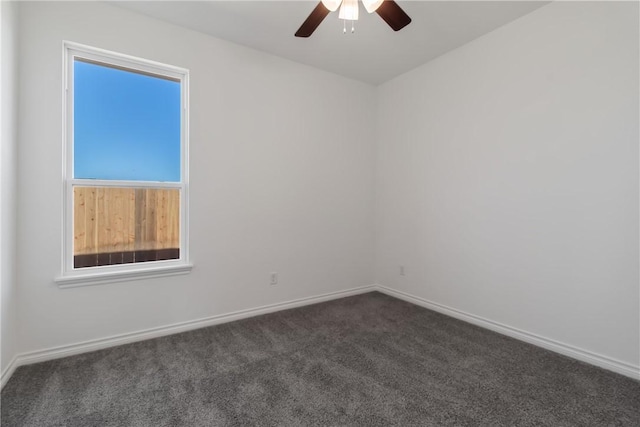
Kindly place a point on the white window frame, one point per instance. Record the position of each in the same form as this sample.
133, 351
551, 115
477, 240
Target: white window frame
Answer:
72, 277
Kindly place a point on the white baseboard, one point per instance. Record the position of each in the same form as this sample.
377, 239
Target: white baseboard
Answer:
112, 341
592, 358
605, 362
8, 371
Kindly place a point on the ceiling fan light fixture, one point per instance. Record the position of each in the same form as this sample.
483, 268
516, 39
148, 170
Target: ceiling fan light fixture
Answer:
349, 10
332, 5
371, 5
388, 10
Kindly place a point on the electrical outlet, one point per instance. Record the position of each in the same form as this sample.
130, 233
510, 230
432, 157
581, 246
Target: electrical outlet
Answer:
402, 272
274, 278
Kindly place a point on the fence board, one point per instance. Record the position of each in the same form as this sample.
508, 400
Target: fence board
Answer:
131, 219
79, 221
102, 218
140, 202
173, 219
91, 226
152, 223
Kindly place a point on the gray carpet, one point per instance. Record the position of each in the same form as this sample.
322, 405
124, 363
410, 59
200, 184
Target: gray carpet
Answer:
366, 360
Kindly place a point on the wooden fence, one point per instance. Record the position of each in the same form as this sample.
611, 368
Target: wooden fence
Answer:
113, 220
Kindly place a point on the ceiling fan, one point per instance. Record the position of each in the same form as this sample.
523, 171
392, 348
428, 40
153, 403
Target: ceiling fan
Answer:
386, 9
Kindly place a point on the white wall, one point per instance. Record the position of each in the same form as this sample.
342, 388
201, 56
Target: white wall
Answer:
281, 180
8, 149
508, 178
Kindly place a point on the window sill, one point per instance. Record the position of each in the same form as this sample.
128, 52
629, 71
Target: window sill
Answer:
76, 280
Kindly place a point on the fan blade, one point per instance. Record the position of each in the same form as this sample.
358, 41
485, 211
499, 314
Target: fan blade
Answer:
393, 15
313, 20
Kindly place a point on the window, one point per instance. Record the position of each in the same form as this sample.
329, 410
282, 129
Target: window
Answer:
126, 175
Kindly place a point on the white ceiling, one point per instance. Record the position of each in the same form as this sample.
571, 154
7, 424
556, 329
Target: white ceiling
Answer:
373, 54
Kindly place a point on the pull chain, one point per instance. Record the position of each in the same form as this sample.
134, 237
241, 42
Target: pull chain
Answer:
344, 27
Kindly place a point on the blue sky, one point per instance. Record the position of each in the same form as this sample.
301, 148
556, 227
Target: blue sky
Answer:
126, 125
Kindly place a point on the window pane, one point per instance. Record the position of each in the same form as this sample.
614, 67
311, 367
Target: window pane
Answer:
119, 225
126, 125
